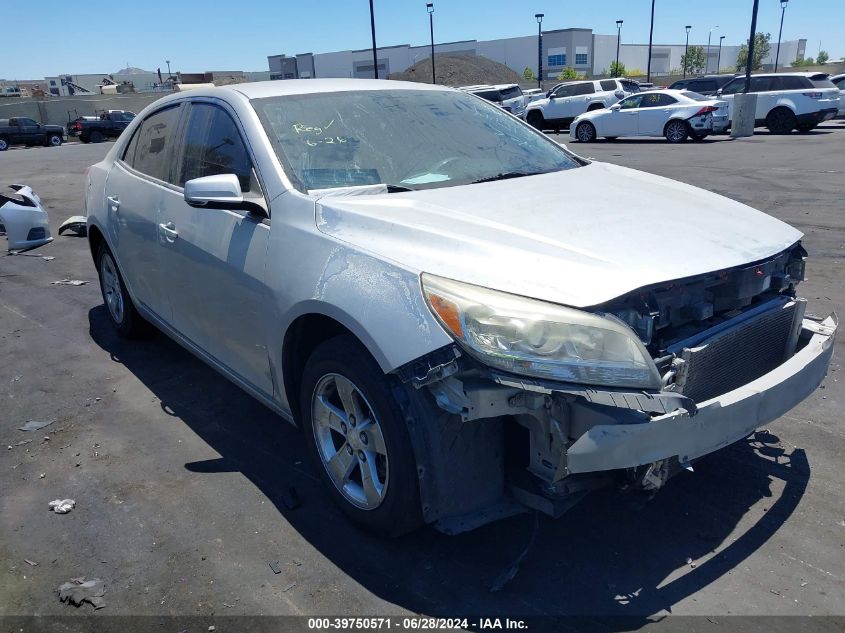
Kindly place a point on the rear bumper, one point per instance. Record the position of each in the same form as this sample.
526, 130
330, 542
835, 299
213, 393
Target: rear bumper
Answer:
718, 422
816, 117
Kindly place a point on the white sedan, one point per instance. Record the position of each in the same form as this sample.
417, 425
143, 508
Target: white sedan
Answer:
675, 114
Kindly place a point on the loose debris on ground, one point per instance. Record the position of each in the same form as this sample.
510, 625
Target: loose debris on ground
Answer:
68, 282
34, 425
62, 506
79, 590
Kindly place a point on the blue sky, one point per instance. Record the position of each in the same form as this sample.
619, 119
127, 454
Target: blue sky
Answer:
207, 35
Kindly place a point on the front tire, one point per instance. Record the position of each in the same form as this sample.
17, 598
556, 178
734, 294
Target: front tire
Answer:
4, 144
122, 313
357, 436
676, 131
585, 132
536, 120
781, 121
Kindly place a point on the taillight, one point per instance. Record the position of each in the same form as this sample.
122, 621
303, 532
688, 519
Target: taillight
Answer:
706, 110
812, 95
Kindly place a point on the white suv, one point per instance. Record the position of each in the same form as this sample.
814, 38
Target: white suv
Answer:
566, 101
509, 97
787, 101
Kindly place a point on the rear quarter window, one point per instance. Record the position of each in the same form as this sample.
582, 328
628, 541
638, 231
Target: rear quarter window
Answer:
608, 84
823, 83
792, 83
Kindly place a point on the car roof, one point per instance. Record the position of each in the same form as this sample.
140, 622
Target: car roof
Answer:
481, 87
284, 87
808, 75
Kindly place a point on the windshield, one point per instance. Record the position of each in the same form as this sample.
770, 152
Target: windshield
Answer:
413, 139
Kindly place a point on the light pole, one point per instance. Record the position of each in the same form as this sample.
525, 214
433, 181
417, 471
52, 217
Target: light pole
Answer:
650, 38
750, 61
618, 40
430, 8
780, 33
539, 17
719, 56
373, 30
688, 27
707, 61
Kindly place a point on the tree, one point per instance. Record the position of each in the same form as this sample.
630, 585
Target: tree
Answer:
528, 74
694, 60
567, 73
761, 50
617, 69
822, 58
802, 61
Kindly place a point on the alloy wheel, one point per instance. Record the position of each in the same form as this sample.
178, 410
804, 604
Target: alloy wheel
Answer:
349, 441
111, 288
585, 132
676, 132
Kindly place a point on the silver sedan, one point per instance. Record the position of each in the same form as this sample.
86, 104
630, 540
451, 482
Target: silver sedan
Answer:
465, 319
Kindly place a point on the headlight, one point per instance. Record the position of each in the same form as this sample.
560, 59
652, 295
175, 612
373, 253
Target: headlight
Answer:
535, 338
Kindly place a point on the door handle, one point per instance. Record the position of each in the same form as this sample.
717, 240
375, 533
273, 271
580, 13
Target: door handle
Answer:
169, 231
114, 202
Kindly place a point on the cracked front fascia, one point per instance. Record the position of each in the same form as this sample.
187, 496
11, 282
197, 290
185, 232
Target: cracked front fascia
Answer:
659, 426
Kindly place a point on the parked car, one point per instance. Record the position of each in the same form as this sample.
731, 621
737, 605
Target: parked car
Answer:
507, 96
26, 131
533, 94
109, 124
566, 101
356, 255
839, 82
675, 114
788, 101
707, 85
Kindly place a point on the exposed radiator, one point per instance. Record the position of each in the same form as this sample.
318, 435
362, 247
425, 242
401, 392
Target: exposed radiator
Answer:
737, 354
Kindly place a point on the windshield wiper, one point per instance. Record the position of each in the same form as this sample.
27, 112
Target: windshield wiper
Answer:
506, 175
399, 188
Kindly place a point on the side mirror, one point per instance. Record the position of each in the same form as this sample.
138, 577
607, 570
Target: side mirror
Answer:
222, 191
719, 92
615, 107
619, 94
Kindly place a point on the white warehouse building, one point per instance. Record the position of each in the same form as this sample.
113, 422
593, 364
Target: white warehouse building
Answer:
588, 53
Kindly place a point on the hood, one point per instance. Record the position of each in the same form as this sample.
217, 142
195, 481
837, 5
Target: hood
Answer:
578, 237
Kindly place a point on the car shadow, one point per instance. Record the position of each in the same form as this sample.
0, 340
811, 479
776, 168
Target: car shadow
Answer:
614, 558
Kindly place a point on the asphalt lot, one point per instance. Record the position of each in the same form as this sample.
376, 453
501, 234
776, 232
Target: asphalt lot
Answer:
180, 478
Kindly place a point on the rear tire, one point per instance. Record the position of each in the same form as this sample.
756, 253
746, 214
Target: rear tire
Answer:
585, 132
374, 481
122, 313
96, 136
536, 120
781, 121
698, 137
676, 131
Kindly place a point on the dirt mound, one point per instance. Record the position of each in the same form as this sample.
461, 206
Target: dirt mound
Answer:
459, 70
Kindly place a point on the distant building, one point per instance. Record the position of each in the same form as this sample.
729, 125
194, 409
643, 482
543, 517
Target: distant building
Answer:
581, 49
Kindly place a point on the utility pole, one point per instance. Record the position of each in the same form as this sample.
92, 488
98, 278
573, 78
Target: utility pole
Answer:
373, 30
750, 61
783, 4
650, 39
618, 41
539, 17
430, 8
707, 61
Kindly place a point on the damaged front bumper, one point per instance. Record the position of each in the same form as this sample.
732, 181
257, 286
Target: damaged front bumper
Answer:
717, 422
23, 219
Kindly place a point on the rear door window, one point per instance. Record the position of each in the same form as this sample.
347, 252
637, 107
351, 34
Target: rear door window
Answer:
608, 84
583, 89
762, 84
154, 143
213, 146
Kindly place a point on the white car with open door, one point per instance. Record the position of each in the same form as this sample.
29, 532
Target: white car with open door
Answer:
675, 114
